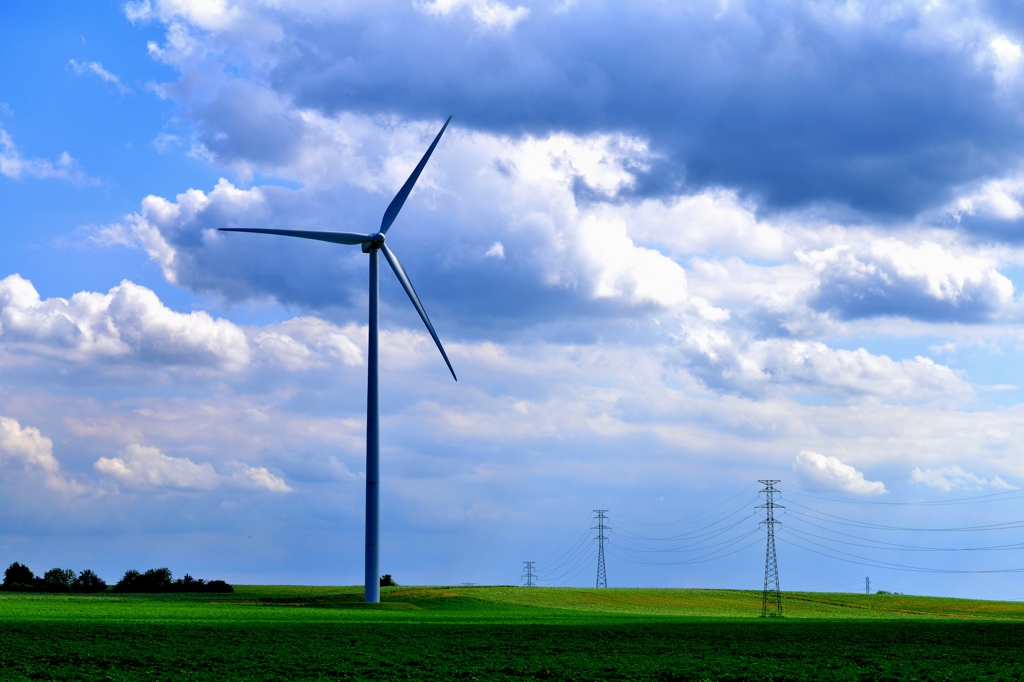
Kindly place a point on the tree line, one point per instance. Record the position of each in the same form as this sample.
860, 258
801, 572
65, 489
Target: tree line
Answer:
20, 578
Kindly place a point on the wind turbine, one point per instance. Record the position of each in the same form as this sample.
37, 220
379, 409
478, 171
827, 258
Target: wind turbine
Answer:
372, 243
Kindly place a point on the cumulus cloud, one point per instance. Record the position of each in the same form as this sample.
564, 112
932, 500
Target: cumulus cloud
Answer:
129, 325
129, 320
142, 466
829, 472
15, 166
954, 477
891, 277
34, 451
257, 478
994, 200
558, 242
812, 366
305, 342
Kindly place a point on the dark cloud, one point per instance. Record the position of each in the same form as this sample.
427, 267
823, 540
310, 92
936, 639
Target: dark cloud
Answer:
793, 104
248, 124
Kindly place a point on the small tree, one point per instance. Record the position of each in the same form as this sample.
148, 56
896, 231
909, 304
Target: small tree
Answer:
58, 579
387, 581
18, 576
128, 581
87, 581
157, 580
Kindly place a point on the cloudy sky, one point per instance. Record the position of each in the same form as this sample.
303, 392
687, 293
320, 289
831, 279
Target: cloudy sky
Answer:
671, 249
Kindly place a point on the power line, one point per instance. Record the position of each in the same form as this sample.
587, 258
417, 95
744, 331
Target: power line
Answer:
862, 561
896, 547
688, 518
843, 521
698, 532
574, 534
711, 556
771, 601
570, 574
974, 499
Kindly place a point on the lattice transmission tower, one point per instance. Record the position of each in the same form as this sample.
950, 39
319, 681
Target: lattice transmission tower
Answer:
771, 602
601, 527
528, 573
867, 585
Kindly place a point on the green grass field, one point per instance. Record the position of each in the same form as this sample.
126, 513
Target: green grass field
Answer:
298, 633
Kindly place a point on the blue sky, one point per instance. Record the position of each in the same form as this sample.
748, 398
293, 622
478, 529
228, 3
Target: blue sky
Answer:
670, 249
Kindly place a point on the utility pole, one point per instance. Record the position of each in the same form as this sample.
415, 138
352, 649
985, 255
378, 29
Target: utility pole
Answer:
601, 527
529, 574
771, 602
867, 585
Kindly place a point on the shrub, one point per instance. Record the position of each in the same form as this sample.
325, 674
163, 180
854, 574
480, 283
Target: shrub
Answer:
218, 586
87, 581
153, 580
161, 580
387, 581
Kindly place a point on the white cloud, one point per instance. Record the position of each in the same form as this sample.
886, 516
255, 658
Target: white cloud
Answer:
97, 69
206, 14
130, 324
998, 199
714, 219
1007, 58
15, 166
802, 366
305, 342
891, 277
954, 477
497, 250
258, 478
129, 320
142, 466
830, 472
35, 453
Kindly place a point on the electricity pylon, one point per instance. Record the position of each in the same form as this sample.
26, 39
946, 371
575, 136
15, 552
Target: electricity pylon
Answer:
602, 575
529, 574
771, 601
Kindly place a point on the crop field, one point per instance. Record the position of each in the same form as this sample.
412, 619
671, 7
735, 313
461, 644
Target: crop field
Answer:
494, 633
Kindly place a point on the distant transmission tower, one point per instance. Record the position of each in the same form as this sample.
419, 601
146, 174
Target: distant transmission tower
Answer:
771, 602
529, 574
602, 576
867, 585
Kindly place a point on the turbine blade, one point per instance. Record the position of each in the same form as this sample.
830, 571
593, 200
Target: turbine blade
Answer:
396, 204
350, 238
407, 285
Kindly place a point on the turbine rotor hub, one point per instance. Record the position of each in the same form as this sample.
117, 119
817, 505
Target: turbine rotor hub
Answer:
375, 242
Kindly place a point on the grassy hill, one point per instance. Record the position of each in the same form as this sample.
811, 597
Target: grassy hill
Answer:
487, 604
504, 633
